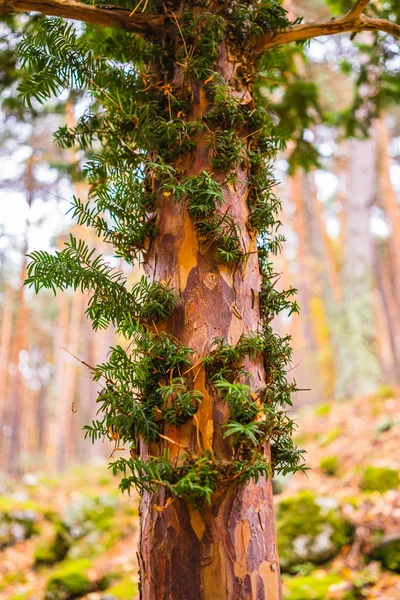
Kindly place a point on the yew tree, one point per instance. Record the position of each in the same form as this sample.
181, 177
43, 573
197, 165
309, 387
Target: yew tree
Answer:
180, 137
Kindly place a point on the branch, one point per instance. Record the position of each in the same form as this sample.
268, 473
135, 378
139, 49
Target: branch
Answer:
357, 9
353, 21
142, 24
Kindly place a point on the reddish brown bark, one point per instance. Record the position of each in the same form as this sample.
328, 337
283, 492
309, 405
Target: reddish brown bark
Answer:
388, 315
227, 550
388, 199
305, 273
5, 349
16, 389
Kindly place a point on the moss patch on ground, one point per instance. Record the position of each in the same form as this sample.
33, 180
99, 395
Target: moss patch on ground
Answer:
125, 589
329, 465
309, 529
379, 479
69, 581
311, 587
387, 551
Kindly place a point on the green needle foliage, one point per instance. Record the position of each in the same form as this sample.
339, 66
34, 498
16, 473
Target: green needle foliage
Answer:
110, 301
138, 134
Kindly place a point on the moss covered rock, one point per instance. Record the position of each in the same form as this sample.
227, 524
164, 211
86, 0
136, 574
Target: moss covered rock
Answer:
69, 581
89, 513
329, 465
309, 529
125, 589
54, 550
387, 551
18, 521
312, 587
379, 479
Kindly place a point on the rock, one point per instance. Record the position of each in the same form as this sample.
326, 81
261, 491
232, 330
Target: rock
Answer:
125, 589
30, 479
329, 465
309, 530
54, 550
89, 513
379, 479
16, 524
69, 581
387, 551
315, 586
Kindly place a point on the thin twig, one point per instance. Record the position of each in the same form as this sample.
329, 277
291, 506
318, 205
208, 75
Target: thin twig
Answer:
195, 419
171, 441
193, 366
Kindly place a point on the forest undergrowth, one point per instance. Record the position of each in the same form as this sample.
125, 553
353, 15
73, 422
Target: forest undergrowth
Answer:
74, 536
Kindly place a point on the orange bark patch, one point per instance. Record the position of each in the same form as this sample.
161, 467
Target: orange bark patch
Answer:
197, 523
187, 253
242, 540
269, 573
204, 415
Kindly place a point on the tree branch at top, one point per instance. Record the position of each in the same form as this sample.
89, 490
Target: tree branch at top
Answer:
357, 9
353, 21
142, 24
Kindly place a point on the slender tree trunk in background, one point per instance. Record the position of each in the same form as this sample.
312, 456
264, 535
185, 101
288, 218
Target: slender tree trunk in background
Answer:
304, 281
67, 394
310, 282
60, 341
389, 314
387, 318
17, 392
5, 338
29, 392
227, 550
388, 199
5, 348
341, 169
359, 370
94, 348
390, 282
87, 391
41, 421
16, 386
326, 290
323, 245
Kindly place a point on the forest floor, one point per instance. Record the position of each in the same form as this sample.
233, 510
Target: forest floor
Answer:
84, 532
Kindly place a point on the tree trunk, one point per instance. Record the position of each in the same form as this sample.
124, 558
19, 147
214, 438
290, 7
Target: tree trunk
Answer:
217, 553
60, 341
388, 200
5, 350
305, 281
67, 393
388, 313
359, 370
229, 550
16, 389
226, 550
